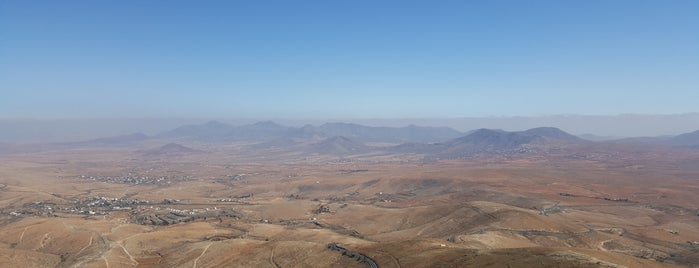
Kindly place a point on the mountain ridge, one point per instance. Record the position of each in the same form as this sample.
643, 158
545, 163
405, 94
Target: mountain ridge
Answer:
169, 149
268, 130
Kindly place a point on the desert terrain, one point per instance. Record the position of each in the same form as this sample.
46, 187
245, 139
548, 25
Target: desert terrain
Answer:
479, 199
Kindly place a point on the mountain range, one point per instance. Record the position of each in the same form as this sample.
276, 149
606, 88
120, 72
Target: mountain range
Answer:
348, 139
352, 139
688, 139
337, 145
489, 141
267, 131
118, 140
683, 140
169, 149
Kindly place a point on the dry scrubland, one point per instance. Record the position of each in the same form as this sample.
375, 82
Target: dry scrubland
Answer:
222, 206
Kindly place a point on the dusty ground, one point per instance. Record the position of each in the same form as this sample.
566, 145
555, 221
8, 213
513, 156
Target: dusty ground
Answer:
80, 208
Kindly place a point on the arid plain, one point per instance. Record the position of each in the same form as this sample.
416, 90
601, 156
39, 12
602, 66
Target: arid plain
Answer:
183, 202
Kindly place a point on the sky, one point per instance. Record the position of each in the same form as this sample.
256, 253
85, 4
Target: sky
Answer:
347, 59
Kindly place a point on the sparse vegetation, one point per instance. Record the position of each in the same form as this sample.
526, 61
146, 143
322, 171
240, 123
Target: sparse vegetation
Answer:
396, 208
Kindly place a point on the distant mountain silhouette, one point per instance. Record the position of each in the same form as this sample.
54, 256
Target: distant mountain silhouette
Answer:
337, 146
494, 139
489, 141
551, 133
410, 133
593, 137
274, 144
345, 138
688, 139
260, 131
664, 140
169, 149
210, 131
116, 140
267, 131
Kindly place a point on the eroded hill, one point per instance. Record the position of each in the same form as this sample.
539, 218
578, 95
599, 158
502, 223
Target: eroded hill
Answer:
240, 204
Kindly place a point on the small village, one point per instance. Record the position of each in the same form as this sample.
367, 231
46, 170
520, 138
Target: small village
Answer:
135, 179
140, 211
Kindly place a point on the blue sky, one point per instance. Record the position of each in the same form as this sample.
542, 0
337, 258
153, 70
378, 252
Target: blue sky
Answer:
347, 59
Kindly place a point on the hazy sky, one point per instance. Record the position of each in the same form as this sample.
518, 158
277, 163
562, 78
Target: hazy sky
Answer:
347, 59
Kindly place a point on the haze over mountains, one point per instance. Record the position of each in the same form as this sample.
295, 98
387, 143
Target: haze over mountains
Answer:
687, 139
217, 131
254, 176
170, 149
596, 127
350, 139
428, 195
486, 139
346, 139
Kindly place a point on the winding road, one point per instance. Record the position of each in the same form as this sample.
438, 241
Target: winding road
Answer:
355, 255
